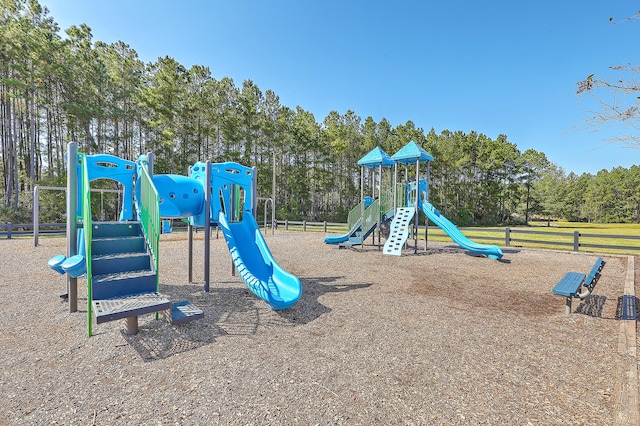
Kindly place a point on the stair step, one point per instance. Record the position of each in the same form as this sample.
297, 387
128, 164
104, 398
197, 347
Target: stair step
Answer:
129, 306
112, 245
115, 229
120, 284
119, 262
183, 312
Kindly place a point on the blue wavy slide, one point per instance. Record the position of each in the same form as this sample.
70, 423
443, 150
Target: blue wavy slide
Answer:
492, 252
256, 265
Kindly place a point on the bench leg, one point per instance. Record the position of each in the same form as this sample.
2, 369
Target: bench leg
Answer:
568, 306
131, 325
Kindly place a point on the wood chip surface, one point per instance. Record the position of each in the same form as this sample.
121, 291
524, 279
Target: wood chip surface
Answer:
437, 337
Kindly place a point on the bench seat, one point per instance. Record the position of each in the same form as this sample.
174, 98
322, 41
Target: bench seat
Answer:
572, 282
569, 285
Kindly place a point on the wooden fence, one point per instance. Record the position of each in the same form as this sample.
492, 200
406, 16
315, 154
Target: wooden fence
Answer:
505, 237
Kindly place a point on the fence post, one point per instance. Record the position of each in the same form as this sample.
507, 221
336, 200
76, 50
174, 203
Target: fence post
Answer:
8, 230
507, 237
576, 240
286, 224
304, 226
36, 215
325, 227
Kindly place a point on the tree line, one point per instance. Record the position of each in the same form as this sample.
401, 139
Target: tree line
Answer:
56, 89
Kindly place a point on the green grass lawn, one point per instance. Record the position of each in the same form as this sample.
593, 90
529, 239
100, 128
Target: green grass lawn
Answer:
593, 237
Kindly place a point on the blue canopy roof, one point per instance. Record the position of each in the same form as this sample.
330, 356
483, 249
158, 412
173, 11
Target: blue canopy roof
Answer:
410, 153
376, 158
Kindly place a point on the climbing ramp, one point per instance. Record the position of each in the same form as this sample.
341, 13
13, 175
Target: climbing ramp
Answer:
399, 231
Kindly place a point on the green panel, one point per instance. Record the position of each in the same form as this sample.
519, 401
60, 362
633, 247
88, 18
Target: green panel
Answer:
386, 202
401, 195
354, 215
150, 217
371, 216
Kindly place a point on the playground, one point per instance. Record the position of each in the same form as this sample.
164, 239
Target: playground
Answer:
443, 336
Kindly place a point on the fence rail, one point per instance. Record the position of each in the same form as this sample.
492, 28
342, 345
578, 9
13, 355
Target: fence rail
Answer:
506, 237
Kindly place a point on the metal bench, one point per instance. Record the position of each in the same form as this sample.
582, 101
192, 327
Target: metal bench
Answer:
570, 285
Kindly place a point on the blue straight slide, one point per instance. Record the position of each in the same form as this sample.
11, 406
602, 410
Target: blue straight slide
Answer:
256, 266
492, 252
337, 239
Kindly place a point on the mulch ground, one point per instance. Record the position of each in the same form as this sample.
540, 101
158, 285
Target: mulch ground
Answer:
437, 337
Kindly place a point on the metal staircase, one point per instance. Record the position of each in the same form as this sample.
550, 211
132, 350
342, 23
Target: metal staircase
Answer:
124, 279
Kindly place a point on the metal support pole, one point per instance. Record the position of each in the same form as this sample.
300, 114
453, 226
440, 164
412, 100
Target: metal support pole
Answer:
189, 244
361, 194
395, 187
379, 203
72, 222
273, 196
190, 256
415, 218
207, 223
150, 158
101, 204
254, 192
426, 199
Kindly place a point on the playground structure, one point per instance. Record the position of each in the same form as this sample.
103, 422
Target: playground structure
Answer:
121, 259
398, 206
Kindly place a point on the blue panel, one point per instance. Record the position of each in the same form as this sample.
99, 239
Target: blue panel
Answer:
104, 166
180, 196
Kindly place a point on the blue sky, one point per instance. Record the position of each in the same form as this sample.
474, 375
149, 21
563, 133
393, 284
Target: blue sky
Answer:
495, 67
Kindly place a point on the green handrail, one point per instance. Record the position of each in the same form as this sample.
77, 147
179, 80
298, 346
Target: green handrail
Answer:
150, 218
87, 225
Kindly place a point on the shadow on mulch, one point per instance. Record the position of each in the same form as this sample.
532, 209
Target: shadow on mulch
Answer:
592, 306
231, 311
308, 308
